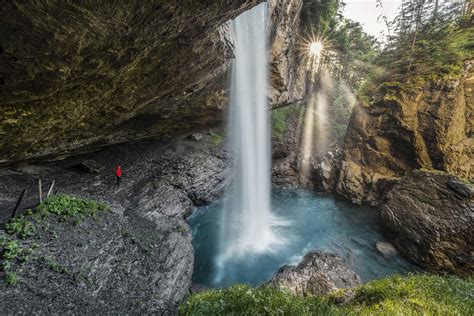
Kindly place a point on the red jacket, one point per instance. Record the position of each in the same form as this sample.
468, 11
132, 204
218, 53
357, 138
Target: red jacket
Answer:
118, 171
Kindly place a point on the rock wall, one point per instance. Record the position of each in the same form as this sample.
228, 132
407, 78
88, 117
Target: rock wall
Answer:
287, 74
431, 127
80, 75
77, 76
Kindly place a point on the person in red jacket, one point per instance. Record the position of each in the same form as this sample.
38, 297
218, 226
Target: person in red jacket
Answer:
118, 173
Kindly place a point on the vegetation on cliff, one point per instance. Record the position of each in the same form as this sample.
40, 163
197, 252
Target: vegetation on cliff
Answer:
428, 41
410, 295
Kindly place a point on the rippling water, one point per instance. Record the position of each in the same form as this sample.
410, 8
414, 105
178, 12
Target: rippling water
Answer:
313, 222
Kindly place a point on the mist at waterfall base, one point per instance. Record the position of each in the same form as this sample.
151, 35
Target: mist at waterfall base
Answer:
317, 222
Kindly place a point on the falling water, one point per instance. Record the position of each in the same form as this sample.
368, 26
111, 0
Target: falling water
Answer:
247, 222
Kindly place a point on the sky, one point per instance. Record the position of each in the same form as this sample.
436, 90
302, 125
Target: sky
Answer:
366, 12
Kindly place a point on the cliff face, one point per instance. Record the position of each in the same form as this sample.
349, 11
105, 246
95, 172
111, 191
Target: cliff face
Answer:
82, 75
430, 128
286, 71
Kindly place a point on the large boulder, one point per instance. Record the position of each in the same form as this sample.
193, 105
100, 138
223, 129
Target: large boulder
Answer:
432, 216
318, 273
400, 130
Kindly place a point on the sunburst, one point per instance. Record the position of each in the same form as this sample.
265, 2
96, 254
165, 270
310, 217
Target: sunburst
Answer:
313, 48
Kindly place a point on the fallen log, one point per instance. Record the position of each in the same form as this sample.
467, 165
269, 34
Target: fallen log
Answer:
18, 203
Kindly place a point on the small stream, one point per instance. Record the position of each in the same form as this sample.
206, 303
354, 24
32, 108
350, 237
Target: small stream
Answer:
314, 222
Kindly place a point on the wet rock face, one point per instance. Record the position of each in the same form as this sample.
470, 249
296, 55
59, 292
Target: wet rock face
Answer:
76, 76
318, 273
430, 128
432, 216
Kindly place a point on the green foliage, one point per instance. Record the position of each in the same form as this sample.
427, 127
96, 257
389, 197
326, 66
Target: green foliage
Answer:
20, 226
319, 17
11, 249
11, 278
420, 294
68, 206
14, 246
53, 265
217, 138
352, 52
280, 120
411, 295
430, 42
243, 299
341, 102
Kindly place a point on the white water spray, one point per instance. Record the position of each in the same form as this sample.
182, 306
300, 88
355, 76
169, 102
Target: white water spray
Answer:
247, 221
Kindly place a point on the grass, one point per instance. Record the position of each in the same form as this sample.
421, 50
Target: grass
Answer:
16, 246
420, 294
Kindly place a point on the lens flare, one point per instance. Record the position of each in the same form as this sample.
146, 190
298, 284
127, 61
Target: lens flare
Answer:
316, 48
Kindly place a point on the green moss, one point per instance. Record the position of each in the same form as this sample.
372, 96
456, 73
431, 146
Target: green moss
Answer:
181, 230
53, 265
411, 295
280, 120
217, 138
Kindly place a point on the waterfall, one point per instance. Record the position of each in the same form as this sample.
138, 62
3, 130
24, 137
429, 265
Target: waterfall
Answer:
247, 224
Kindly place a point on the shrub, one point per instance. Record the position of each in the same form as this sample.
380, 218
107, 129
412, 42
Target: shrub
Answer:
68, 206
